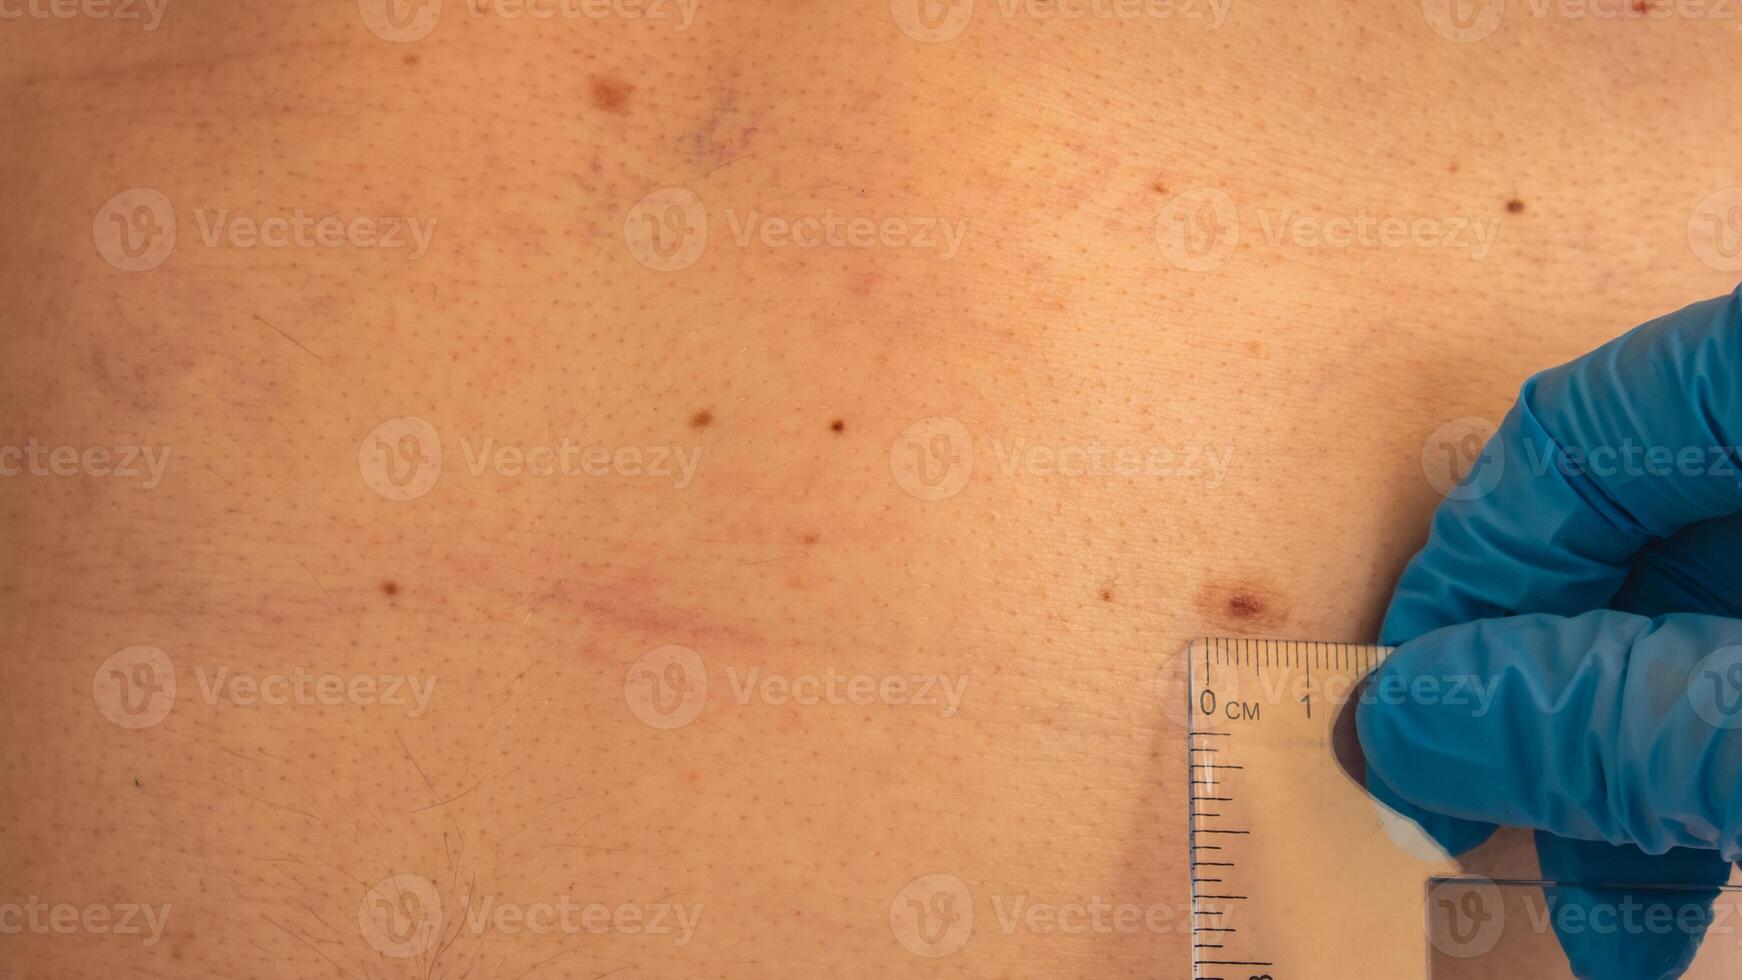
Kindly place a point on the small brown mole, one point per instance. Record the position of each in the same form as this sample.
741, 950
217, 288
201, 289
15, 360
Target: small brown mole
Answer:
390, 587
412, 59
811, 538
1159, 187
839, 425
1245, 605
1239, 606
1106, 595
702, 419
1515, 206
137, 783
611, 95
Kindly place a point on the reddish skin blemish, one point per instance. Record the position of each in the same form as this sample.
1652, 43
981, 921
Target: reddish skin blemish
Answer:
412, 60
811, 538
1159, 187
1515, 206
390, 587
611, 95
1245, 605
702, 419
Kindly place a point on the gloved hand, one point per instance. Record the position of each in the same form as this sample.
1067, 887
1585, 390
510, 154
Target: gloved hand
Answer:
1587, 583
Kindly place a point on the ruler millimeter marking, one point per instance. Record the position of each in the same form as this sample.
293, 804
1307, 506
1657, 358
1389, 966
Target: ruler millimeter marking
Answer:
1278, 832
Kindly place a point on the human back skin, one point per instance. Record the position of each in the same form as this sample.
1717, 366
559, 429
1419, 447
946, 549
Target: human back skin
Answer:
969, 412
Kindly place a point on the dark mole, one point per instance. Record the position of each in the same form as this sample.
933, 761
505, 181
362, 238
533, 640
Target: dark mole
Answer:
137, 783
1515, 205
390, 587
839, 425
1245, 605
610, 94
702, 419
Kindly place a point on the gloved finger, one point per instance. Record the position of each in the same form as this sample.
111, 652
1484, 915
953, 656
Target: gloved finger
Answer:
1606, 726
1697, 570
1628, 933
1598, 457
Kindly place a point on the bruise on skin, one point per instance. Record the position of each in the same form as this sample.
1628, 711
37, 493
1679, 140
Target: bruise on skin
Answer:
1239, 606
611, 95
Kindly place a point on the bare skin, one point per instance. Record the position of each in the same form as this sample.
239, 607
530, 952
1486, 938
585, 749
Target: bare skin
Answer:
1164, 443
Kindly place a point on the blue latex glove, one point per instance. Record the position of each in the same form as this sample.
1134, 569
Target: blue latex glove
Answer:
1590, 592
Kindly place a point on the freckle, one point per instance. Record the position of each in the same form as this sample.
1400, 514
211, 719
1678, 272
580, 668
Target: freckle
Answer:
811, 538
1452, 167
839, 425
390, 587
1160, 188
611, 95
1254, 347
1106, 595
702, 419
1515, 205
412, 59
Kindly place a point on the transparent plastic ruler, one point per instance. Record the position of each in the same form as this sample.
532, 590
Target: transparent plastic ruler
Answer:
1298, 874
